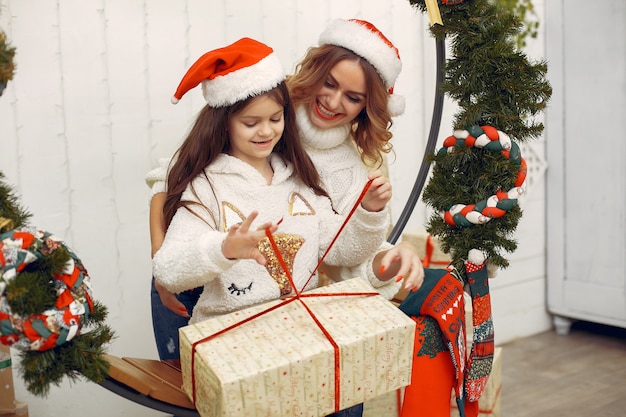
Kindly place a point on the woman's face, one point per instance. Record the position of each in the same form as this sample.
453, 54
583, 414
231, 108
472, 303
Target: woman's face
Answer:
341, 98
255, 130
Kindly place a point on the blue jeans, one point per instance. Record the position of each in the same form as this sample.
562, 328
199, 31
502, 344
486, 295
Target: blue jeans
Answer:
354, 411
165, 323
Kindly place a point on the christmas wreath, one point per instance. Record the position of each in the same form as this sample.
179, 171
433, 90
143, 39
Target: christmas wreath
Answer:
47, 309
36, 312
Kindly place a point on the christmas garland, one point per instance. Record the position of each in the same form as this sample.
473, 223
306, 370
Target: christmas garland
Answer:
493, 84
501, 202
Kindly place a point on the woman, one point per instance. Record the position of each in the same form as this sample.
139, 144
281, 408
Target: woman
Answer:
244, 146
343, 91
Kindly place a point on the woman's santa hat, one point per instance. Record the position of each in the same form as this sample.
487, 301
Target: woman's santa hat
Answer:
365, 40
233, 73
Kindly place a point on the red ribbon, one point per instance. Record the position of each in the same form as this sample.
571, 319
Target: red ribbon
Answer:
298, 296
430, 248
356, 205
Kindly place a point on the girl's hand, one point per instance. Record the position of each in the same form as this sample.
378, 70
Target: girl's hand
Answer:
379, 193
242, 243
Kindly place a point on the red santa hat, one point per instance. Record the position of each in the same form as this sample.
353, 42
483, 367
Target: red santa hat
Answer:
365, 40
233, 73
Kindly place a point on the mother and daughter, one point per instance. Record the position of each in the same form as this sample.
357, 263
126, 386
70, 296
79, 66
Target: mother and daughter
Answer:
291, 154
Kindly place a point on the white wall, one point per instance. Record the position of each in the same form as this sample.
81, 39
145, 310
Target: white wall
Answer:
88, 113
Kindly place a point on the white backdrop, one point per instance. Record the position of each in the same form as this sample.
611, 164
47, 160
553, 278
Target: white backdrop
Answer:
88, 114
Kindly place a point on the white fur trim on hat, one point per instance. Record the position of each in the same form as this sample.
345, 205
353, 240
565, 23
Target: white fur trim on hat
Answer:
368, 43
233, 73
243, 83
396, 104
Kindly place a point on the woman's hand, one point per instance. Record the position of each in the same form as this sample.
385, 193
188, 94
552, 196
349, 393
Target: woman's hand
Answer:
170, 301
379, 193
242, 243
401, 262
157, 234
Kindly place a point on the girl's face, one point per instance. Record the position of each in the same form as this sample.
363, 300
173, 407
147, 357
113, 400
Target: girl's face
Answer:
341, 98
255, 130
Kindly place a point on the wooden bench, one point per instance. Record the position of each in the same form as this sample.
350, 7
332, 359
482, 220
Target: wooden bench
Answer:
152, 383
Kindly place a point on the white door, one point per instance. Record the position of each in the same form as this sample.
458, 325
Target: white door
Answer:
586, 148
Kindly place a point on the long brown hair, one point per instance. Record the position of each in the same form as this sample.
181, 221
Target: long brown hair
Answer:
209, 137
370, 129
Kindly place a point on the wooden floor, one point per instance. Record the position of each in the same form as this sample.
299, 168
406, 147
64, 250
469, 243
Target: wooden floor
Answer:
579, 374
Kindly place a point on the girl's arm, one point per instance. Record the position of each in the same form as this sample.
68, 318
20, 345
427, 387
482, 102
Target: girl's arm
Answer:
193, 253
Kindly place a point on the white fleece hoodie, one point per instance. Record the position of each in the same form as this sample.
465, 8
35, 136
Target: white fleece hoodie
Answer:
191, 254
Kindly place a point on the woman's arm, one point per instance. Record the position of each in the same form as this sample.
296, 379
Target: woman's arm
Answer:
157, 235
401, 262
157, 221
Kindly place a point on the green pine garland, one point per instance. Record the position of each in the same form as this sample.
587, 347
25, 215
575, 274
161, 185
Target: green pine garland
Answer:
494, 84
12, 214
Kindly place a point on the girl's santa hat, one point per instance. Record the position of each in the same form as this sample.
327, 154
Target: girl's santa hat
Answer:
233, 73
365, 40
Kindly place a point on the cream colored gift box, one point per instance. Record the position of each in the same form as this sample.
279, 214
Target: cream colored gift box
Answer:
281, 364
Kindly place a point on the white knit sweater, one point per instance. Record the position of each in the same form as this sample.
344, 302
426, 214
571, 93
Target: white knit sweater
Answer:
343, 175
191, 254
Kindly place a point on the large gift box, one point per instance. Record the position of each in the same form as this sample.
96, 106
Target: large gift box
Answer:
283, 358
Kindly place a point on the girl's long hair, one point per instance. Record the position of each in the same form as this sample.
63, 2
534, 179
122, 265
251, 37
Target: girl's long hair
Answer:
208, 138
370, 129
